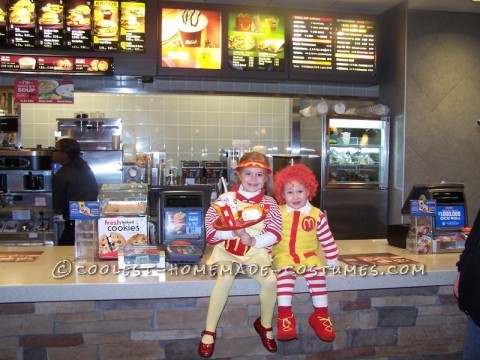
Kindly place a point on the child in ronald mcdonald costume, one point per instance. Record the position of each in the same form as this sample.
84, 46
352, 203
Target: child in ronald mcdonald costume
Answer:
237, 250
304, 228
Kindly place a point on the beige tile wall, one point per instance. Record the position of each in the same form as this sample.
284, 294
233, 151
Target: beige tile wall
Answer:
186, 127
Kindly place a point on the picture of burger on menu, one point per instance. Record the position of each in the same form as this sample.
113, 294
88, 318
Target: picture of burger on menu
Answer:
3, 23
191, 39
256, 41
21, 19
105, 25
132, 26
50, 24
78, 33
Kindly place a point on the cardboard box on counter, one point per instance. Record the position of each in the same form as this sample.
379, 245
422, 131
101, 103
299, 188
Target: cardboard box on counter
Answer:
117, 231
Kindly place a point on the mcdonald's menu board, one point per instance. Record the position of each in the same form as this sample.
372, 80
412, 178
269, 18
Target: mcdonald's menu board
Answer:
191, 38
355, 45
256, 41
56, 64
78, 25
73, 25
3, 23
327, 43
50, 24
132, 26
22, 24
105, 25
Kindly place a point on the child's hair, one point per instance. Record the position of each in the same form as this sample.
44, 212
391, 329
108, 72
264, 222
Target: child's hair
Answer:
297, 172
257, 156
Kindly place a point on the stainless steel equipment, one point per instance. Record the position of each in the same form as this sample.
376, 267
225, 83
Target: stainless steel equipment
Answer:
26, 216
91, 133
106, 165
95, 137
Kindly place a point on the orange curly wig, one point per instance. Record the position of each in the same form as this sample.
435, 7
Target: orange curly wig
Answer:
296, 172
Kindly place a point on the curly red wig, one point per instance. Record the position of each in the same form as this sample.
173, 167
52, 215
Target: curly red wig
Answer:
296, 172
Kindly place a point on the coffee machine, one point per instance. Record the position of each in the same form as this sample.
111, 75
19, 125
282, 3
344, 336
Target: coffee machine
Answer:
26, 215
191, 172
213, 171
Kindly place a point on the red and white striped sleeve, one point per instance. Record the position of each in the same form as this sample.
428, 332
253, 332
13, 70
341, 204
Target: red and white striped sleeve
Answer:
325, 237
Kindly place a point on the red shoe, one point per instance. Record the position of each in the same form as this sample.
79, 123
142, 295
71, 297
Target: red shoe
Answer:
206, 350
286, 326
269, 344
323, 327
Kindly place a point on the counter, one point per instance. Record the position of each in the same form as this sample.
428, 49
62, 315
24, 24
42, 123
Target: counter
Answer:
55, 277
106, 315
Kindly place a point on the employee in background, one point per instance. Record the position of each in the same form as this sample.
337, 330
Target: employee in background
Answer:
467, 290
74, 181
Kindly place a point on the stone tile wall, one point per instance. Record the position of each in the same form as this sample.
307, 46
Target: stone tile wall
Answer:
408, 323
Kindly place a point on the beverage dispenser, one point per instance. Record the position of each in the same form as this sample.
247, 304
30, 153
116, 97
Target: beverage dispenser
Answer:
26, 215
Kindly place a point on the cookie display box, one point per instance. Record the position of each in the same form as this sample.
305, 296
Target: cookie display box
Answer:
123, 218
117, 231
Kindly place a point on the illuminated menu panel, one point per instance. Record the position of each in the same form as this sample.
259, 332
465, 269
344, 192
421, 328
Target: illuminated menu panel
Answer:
50, 24
331, 45
78, 29
355, 45
256, 41
191, 38
105, 25
3, 23
56, 64
132, 26
22, 24
312, 43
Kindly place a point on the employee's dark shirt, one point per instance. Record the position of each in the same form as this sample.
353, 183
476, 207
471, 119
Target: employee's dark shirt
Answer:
74, 181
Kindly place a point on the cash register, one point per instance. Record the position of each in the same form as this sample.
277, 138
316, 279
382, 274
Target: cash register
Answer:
181, 225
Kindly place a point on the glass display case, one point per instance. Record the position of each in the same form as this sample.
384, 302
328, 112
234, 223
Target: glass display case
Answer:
123, 199
357, 152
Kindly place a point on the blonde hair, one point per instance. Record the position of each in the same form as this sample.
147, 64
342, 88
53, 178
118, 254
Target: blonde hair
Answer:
257, 156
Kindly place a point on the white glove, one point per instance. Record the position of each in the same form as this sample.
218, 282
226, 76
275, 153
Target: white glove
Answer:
332, 264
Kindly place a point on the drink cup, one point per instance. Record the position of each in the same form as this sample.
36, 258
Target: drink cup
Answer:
192, 28
27, 63
273, 22
115, 142
226, 208
346, 138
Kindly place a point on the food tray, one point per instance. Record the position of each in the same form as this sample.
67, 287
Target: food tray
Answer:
240, 224
124, 208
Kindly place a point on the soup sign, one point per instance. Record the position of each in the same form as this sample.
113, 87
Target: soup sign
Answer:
43, 91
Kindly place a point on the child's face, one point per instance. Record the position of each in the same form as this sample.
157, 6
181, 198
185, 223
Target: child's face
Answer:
296, 195
253, 179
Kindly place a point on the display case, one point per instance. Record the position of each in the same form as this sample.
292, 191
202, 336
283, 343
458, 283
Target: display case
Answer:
123, 199
357, 152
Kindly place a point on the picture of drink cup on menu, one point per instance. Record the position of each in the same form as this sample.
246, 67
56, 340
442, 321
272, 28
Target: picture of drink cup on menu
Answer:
192, 26
191, 38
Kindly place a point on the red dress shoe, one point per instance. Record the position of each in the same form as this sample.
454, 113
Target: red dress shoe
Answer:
269, 344
206, 350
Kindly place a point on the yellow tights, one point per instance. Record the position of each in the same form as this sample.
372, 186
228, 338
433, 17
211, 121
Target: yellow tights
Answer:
221, 290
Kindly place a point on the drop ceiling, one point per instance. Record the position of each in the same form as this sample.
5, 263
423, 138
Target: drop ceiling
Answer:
374, 7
